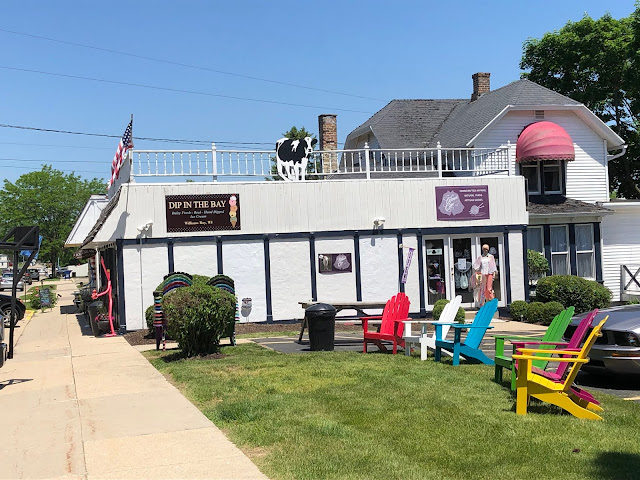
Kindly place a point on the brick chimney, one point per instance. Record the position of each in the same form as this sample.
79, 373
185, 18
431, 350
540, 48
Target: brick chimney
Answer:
481, 84
328, 132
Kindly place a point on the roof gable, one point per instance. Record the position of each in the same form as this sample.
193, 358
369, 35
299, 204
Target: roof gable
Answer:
453, 122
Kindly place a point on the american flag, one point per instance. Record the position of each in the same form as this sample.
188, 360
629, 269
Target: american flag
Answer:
126, 142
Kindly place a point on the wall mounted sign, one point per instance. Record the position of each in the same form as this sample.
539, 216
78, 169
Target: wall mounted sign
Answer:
462, 203
334, 262
201, 213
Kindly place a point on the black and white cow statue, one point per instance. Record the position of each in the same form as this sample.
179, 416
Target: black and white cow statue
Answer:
292, 157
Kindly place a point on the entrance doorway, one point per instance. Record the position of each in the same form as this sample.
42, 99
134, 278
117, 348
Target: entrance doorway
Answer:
449, 266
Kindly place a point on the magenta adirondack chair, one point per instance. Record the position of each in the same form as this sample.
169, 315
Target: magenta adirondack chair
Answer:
579, 395
395, 311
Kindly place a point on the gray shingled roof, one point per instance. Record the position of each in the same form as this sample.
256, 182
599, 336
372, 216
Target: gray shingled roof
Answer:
453, 122
549, 205
406, 123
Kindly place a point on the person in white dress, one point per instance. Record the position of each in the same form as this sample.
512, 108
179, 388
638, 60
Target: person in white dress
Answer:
482, 281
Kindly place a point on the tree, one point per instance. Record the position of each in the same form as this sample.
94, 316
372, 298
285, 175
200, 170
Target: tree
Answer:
597, 62
312, 166
537, 265
51, 200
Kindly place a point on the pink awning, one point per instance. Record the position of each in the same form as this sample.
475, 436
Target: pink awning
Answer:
544, 141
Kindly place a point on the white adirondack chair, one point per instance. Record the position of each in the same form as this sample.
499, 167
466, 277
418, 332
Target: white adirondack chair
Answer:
425, 341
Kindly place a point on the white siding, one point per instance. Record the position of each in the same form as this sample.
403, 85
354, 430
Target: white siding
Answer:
244, 263
586, 175
379, 267
197, 258
336, 286
290, 277
620, 246
139, 286
516, 263
280, 207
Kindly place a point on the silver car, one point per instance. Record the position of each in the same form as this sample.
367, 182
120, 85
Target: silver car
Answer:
618, 350
6, 283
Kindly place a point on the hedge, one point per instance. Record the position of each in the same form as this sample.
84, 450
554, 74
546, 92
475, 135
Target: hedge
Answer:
583, 294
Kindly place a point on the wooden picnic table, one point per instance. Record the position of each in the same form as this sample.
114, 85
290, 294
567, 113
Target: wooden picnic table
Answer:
339, 306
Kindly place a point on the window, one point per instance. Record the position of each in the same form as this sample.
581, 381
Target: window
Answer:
544, 177
552, 177
559, 250
530, 172
535, 239
585, 251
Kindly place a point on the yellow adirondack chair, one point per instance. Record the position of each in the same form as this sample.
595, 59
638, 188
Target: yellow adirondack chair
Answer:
529, 384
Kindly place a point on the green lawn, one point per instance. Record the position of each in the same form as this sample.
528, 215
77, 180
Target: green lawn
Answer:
348, 415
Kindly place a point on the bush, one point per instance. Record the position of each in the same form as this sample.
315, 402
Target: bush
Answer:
518, 310
439, 306
583, 294
33, 297
197, 316
535, 312
550, 310
149, 314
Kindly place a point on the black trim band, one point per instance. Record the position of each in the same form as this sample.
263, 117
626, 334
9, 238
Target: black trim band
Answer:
267, 280
400, 262
333, 233
172, 267
219, 254
356, 260
423, 301
312, 262
573, 256
598, 251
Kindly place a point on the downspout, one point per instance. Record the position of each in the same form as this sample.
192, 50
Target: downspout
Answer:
617, 155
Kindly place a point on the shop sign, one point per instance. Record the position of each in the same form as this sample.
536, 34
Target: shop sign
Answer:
334, 262
201, 213
462, 203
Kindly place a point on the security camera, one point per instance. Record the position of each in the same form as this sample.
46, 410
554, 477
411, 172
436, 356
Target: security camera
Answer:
378, 221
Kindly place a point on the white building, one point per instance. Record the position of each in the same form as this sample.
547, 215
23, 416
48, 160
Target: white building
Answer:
368, 207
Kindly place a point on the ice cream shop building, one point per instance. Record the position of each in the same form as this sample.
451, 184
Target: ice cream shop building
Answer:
405, 206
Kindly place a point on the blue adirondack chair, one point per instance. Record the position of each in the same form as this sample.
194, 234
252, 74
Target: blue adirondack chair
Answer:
470, 348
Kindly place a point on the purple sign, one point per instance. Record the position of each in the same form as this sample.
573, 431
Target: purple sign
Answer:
462, 203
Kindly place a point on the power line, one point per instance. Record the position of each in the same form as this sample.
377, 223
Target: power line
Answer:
150, 139
55, 146
178, 90
197, 67
62, 170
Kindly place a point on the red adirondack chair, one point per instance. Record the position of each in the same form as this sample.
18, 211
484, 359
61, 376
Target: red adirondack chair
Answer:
395, 311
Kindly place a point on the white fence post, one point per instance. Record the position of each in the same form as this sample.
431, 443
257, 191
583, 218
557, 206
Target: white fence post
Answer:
366, 160
439, 159
509, 158
215, 162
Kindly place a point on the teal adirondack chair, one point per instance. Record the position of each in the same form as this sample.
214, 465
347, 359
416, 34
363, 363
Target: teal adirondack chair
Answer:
553, 334
470, 348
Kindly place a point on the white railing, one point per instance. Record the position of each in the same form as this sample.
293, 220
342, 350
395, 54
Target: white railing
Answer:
356, 163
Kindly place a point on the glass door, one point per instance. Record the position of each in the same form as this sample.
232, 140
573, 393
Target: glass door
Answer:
462, 256
436, 271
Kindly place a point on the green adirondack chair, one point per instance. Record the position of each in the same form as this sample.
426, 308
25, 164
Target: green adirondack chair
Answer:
553, 334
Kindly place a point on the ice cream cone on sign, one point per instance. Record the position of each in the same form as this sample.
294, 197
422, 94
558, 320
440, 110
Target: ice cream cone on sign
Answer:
233, 210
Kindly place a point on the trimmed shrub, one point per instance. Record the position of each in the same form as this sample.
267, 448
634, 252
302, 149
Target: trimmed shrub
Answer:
583, 294
537, 265
149, 314
550, 310
535, 312
439, 306
197, 316
518, 310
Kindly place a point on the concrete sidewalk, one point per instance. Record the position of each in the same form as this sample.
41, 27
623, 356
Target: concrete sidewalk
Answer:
76, 406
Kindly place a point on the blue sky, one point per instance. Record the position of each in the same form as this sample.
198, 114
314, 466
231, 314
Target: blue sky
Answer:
376, 49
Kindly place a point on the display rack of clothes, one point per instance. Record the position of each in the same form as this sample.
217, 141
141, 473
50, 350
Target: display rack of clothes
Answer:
462, 275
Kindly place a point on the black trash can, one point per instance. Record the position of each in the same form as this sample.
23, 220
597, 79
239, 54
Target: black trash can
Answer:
321, 321
93, 313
